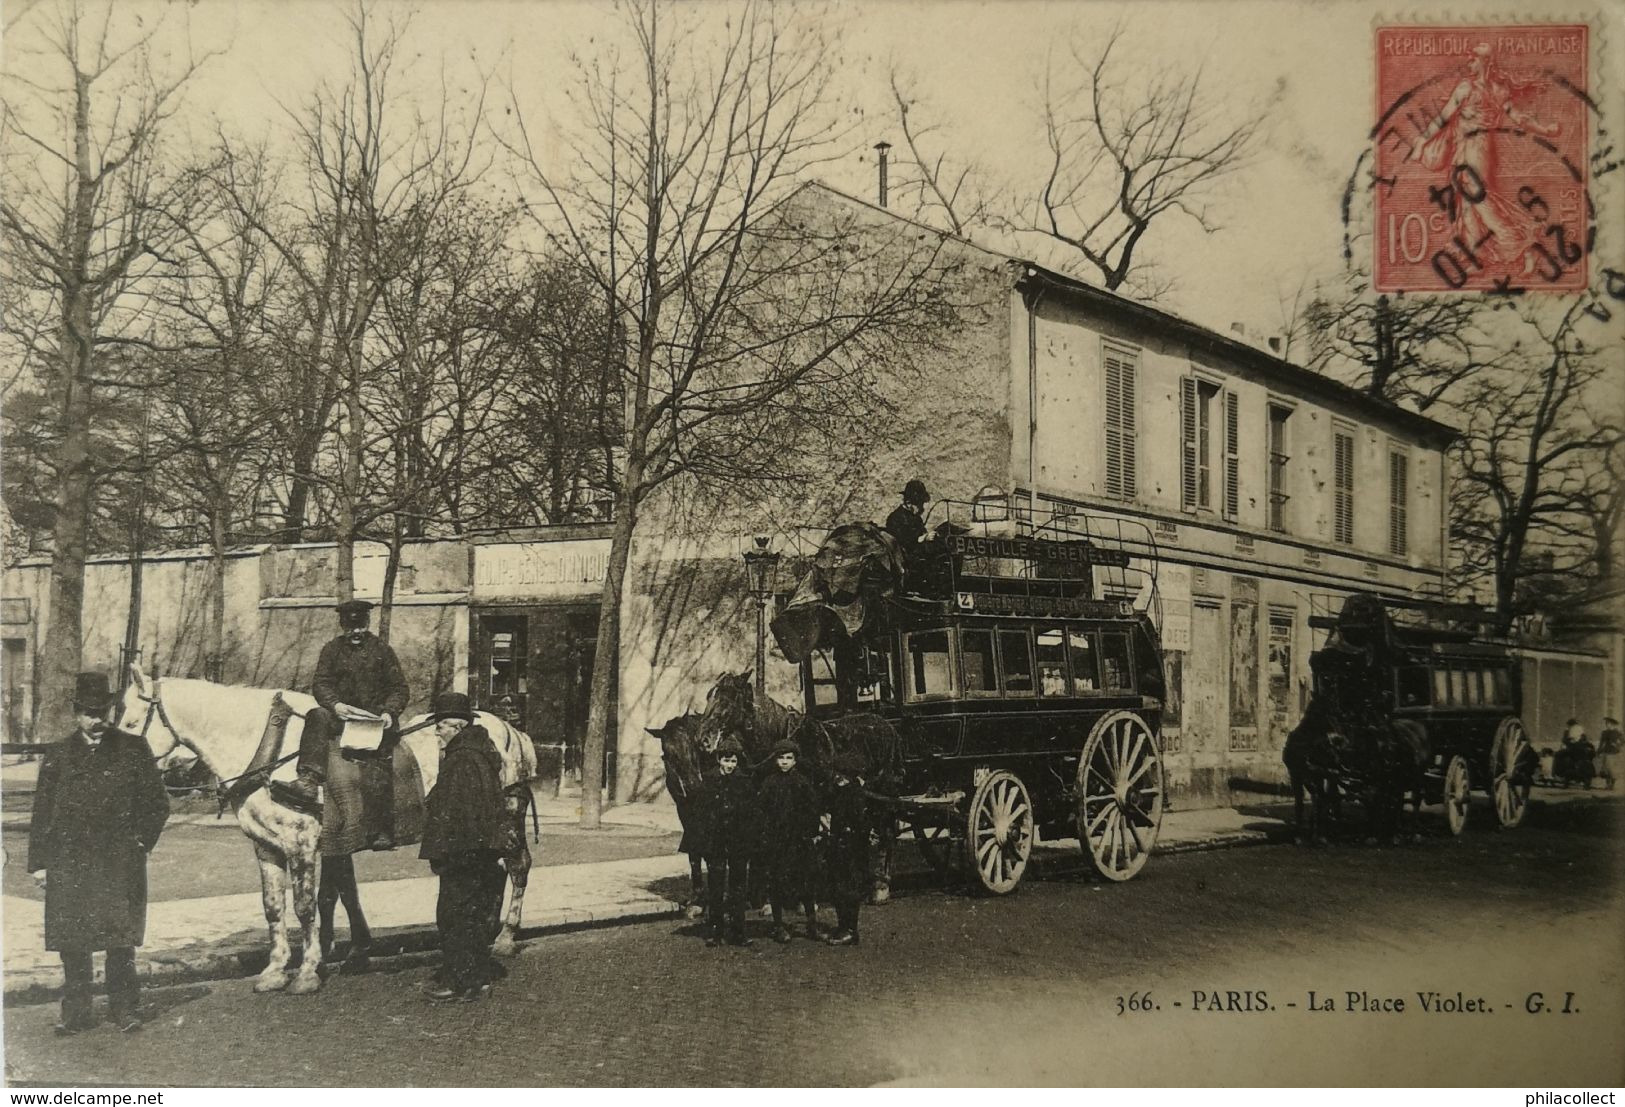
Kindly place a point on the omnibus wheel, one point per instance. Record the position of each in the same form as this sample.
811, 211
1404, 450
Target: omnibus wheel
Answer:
1120, 795
1509, 780
999, 832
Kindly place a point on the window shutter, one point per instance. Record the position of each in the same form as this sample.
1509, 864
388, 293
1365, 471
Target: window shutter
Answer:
1343, 479
1398, 488
1187, 443
1121, 459
1232, 456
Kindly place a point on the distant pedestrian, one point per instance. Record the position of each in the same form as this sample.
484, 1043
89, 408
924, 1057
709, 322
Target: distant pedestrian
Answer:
463, 839
99, 807
847, 849
1609, 743
790, 816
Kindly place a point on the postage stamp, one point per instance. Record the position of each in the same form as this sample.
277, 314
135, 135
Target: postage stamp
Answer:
1481, 175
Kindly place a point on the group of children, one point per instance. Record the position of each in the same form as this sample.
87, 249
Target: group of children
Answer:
771, 835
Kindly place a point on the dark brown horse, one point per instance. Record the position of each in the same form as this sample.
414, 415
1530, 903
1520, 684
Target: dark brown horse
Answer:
688, 769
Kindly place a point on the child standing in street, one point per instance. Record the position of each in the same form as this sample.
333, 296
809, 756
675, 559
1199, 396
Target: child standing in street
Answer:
728, 812
790, 809
847, 851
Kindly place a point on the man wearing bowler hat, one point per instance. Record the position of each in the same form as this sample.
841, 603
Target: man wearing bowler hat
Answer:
463, 841
99, 808
355, 670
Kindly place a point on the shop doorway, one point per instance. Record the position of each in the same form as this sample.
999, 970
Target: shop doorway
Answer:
537, 662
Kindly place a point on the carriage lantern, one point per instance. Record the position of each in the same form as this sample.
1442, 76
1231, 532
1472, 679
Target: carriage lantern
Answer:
759, 563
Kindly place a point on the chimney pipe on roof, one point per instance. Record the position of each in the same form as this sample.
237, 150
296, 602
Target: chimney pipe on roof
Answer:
1275, 343
882, 147
1238, 328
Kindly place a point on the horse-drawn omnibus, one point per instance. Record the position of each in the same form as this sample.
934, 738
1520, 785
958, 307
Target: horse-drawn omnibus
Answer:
1427, 671
1019, 669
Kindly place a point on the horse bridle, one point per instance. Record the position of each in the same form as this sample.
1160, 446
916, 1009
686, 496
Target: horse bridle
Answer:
155, 706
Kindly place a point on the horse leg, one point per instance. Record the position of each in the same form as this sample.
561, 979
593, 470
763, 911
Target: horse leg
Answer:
880, 878
274, 895
302, 874
327, 898
519, 861
696, 887
349, 894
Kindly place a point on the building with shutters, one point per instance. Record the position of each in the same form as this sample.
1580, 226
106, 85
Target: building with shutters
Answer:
1272, 491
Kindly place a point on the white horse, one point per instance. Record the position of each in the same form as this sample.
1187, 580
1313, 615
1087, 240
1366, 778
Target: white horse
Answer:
222, 725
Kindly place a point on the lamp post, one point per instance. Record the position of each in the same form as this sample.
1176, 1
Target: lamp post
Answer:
759, 563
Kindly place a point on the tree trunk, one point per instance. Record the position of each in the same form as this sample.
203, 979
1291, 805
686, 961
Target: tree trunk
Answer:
61, 652
386, 602
605, 670
214, 659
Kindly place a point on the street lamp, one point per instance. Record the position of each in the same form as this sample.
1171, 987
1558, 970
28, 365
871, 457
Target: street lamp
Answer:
759, 563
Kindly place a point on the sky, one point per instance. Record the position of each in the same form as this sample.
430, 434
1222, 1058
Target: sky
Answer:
975, 67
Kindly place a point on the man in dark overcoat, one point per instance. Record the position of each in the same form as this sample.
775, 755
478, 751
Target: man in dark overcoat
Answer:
906, 523
463, 839
356, 669
727, 811
99, 808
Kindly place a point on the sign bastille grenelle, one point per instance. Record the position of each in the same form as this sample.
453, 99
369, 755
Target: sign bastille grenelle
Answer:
1081, 552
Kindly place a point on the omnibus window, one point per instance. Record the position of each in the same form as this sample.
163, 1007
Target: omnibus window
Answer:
976, 654
929, 670
825, 689
1458, 687
1052, 679
1503, 685
1412, 686
872, 676
1476, 691
1085, 666
1016, 661
1441, 687
1114, 662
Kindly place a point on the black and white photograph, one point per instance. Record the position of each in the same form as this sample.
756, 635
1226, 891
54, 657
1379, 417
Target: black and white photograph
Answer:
701, 544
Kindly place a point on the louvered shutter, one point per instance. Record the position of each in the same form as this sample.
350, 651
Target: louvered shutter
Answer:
1121, 452
1343, 480
1232, 456
1187, 443
1398, 488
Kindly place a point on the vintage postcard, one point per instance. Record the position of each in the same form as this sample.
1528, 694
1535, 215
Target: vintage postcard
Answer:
885, 543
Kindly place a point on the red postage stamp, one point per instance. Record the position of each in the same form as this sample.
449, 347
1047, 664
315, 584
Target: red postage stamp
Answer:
1480, 174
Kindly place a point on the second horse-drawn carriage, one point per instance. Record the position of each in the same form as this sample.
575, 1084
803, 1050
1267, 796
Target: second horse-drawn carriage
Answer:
1411, 701
1004, 680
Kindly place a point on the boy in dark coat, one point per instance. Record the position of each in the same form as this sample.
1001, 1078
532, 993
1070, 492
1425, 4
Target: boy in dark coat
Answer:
462, 841
99, 808
847, 850
790, 811
728, 812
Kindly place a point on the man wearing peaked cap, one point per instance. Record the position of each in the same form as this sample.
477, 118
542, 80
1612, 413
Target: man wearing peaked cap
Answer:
906, 523
99, 808
356, 669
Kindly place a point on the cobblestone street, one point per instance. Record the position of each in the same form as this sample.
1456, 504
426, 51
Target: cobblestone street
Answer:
950, 988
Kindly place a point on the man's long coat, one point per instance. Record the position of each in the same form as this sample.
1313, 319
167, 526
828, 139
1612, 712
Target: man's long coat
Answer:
97, 814
466, 810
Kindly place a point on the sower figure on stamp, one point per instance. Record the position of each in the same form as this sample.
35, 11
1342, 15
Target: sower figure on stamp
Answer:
463, 839
728, 810
847, 850
99, 808
790, 815
356, 670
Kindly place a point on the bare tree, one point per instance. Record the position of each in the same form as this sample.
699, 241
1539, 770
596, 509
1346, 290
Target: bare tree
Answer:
934, 186
1123, 156
748, 327
1412, 348
1535, 436
84, 180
